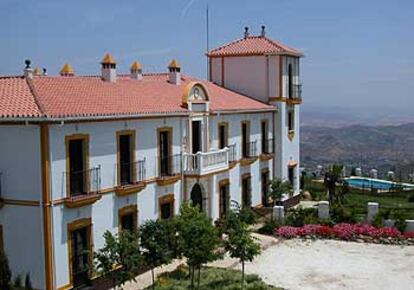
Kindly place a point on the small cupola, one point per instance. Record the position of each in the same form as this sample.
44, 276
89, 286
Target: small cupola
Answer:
136, 71
108, 68
38, 71
175, 72
246, 32
67, 70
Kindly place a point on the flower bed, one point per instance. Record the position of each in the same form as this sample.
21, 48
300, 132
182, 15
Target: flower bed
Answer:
348, 232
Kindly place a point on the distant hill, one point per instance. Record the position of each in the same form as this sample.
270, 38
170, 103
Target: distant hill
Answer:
381, 147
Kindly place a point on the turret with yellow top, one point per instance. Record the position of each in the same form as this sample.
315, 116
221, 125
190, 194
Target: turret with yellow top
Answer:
108, 68
136, 71
67, 70
174, 72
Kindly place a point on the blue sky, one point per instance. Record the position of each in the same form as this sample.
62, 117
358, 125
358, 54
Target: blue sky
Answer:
358, 53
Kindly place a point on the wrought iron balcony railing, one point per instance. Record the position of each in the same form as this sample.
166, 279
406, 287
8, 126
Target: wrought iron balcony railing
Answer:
267, 146
83, 182
169, 165
232, 153
249, 150
132, 173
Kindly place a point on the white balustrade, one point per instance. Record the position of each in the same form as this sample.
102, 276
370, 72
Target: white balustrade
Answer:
206, 162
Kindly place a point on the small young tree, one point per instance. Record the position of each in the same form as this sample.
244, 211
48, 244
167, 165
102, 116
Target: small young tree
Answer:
333, 178
240, 243
120, 257
278, 188
198, 239
155, 244
5, 273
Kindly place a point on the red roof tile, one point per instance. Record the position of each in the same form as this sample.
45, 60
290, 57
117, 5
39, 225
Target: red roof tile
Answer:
253, 45
88, 96
16, 99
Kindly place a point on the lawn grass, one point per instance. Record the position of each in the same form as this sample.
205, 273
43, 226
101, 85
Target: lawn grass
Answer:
211, 278
358, 200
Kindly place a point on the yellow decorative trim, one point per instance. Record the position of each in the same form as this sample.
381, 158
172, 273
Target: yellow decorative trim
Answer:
168, 198
265, 157
85, 138
224, 182
136, 66
294, 101
247, 161
73, 226
47, 210
132, 135
129, 189
126, 210
82, 200
292, 163
277, 99
20, 202
108, 59
233, 164
186, 93
174, 64
167, 180
291, 134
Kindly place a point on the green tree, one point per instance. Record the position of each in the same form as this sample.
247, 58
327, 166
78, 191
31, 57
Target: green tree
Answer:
155, 244
5, 273
120, 257
198, 239
279, 187
240, 243
333, 179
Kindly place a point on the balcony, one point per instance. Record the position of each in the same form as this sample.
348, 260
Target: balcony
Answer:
131, 177
169, 169
267, 149
249, 153
203, 163
83, 187
295, 95
232, 155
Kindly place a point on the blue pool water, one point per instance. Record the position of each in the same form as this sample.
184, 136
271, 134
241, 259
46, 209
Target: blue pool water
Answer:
374, 183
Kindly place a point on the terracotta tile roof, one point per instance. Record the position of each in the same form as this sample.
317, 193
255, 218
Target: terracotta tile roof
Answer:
253, 45
16, 99
90, 96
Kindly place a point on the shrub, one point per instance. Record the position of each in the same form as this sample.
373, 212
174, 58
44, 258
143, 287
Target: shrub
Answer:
5, 273
301, 216
400, 218
340, 214
247, 215
269, 227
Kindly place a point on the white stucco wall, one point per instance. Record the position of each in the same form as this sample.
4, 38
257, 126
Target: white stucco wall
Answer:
22, 233
20, 161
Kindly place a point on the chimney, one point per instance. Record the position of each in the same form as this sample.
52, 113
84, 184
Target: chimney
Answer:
263, 32
175, 74
246, 32
136, 71
28, 72
108, 68
44, 71
67, 70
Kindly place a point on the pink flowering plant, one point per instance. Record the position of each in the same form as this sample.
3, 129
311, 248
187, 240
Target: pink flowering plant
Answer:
341, 231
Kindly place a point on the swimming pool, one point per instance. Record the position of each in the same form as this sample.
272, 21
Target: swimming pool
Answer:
362, 182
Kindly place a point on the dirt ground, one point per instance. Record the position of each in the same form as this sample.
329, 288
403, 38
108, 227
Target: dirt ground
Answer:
328, 264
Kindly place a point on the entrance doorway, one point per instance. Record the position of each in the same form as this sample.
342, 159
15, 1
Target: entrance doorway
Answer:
197, 196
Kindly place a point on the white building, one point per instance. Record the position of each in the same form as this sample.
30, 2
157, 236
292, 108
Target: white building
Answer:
80, 155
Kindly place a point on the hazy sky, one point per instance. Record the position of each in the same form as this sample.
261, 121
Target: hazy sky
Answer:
358, 53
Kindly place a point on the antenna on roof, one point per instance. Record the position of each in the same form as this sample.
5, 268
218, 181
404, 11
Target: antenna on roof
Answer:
207, 42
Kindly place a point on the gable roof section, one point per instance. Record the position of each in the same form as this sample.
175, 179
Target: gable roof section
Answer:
16, 99
83, 97
253, 45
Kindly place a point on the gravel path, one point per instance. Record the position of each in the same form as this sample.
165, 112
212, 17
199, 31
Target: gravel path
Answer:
328, 264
